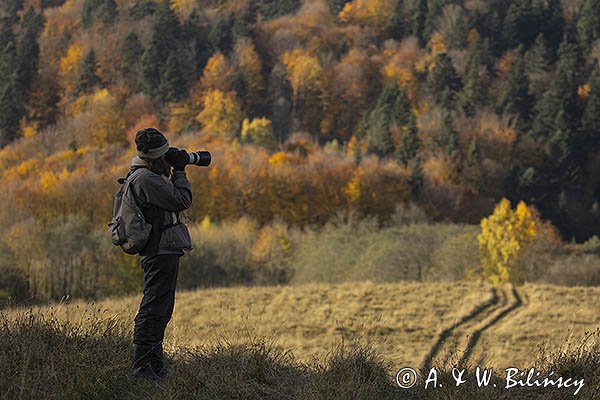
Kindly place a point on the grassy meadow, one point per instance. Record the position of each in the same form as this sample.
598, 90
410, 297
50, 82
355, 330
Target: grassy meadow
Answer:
313, 341
402, 321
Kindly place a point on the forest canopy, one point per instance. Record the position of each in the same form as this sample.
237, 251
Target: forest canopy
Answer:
309, 107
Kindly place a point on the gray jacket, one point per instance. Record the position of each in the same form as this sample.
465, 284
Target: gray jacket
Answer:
162, 201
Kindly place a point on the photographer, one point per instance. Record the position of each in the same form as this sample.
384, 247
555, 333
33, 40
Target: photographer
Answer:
162, 196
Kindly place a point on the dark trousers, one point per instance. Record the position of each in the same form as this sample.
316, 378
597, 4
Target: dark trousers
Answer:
156, 308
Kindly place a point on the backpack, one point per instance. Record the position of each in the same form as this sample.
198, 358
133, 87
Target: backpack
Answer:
128, 228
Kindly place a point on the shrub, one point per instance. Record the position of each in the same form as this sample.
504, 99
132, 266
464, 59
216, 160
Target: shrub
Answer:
456, 258
352, 250
221, 254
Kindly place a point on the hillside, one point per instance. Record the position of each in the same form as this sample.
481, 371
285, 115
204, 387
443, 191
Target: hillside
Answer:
312, 110
310, 342
402, 321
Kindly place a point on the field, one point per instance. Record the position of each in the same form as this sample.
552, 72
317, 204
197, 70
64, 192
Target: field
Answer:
405, 322
314, 341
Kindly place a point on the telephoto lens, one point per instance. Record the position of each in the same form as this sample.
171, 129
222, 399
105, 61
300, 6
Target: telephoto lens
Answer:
200, 158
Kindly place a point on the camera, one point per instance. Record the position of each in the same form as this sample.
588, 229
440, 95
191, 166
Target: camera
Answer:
199, 158
176, 156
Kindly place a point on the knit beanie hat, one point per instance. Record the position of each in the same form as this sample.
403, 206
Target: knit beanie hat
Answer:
151, 143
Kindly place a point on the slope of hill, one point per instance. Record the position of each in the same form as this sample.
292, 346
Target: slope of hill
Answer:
286, 343
406, 323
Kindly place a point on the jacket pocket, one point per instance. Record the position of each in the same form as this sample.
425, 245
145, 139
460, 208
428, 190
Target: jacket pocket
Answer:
175, 237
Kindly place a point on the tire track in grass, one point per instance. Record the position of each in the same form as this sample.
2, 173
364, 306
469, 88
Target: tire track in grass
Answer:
476, 334
482, 308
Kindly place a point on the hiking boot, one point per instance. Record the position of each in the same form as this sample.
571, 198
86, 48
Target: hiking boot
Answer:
146, 372
157, 361
143, 360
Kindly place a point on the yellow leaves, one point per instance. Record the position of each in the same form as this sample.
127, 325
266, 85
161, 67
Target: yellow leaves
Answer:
29, 131
105, 123
217, 74
374, 13
401, 64
70, 64
351, 147
48, 181
401, 74
73, 58
507, 136
472, 37
504, 235
100, 98
214, 173
504, 66
303, 70
206, 223
183, 8
25, 169
221, 113
181, 116
584, 91
440, 169
250, 65
279, 158
354, 187
437, 44
259, 131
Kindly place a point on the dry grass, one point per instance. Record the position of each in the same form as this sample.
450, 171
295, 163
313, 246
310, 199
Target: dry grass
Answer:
400, 320
301, 342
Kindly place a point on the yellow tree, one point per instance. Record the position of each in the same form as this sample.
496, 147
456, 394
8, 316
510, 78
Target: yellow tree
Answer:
348, 89
259, 131
221, 113
250, 66
303, 70
70, 67
217, 74
376, 14
183, 8
504, 235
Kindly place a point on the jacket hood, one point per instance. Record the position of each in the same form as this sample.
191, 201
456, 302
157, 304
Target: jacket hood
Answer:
138, 162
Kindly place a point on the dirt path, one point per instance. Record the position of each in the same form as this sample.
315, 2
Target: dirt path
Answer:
456, 343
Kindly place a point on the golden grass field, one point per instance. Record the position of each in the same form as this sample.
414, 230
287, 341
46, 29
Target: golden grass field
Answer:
402, 320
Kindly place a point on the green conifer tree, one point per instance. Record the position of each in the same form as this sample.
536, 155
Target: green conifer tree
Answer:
588, 25
379, 140
473, 154
88, 11
591, 116
538, 57
88, 79
398, 23
165, 41
473, 93
133, 51
10, 112
419, 17
171, 84
410, 142
517, 100
220, 35
108, 12
445, 81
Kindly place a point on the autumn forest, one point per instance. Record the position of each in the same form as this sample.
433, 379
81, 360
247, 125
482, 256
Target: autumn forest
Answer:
314, 111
